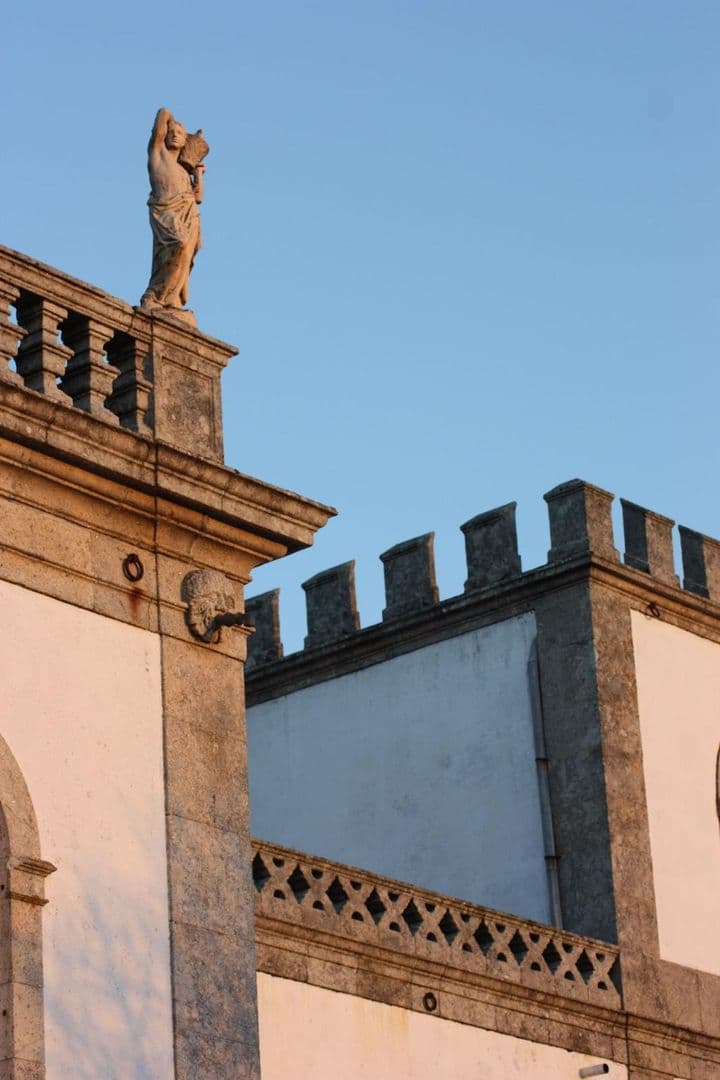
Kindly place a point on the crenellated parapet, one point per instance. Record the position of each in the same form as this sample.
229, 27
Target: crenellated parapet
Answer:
581, 528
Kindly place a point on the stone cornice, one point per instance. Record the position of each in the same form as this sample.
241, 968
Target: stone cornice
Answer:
132, 461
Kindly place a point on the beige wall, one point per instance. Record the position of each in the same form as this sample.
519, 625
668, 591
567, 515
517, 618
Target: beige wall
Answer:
678, 677
306, 1031
81, 711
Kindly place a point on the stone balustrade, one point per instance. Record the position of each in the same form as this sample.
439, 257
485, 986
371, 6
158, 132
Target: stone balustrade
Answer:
292, 887
149, 373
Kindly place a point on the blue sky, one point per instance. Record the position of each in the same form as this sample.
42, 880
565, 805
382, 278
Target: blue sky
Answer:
468, 250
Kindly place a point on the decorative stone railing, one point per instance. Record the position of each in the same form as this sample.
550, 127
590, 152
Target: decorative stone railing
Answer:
86, 349
292, 887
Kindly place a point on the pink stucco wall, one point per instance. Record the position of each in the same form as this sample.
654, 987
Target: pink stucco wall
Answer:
81, 712
306, 1031
678, 680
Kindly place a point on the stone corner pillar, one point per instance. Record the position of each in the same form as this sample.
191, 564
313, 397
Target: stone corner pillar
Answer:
211, 893
186, 410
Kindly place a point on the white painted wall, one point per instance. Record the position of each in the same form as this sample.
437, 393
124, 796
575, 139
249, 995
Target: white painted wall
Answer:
421, 768
678, 679
81, 711
306, 1031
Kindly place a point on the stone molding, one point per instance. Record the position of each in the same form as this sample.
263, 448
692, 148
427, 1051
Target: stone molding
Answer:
79, 496
651, 1050
72, 437
26, 879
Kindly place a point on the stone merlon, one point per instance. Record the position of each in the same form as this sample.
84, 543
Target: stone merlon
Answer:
410, 583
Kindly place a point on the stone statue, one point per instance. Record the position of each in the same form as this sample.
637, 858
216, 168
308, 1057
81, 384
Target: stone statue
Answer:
176, 188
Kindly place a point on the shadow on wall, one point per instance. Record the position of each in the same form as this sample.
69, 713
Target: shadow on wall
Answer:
107, 996
84, 724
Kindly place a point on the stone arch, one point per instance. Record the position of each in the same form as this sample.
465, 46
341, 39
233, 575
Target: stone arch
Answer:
22, 897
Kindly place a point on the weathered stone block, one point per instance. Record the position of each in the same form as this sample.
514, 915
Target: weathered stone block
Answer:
491, 547
196, 786
701, 563
331, 605
580, 521
648, 542
265, 645
210, 879
216, 983
410, 583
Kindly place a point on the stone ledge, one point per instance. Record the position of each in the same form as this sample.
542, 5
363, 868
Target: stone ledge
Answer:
97, 448
301, 955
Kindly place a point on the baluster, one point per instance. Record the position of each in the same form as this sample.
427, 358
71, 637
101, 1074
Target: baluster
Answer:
89, 377
10, 333
41, 359
132, 390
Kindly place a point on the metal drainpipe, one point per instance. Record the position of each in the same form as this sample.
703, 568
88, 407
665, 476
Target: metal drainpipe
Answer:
541, 763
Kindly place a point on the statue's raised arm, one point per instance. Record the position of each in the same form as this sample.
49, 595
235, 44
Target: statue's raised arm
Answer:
176, 188
159, 131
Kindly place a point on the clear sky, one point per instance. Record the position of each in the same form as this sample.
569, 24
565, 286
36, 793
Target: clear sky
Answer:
469, 250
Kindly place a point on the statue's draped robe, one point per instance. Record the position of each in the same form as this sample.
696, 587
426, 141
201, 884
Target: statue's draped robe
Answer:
175, 227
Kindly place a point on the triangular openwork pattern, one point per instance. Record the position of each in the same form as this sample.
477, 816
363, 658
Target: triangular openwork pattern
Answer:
336, 899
